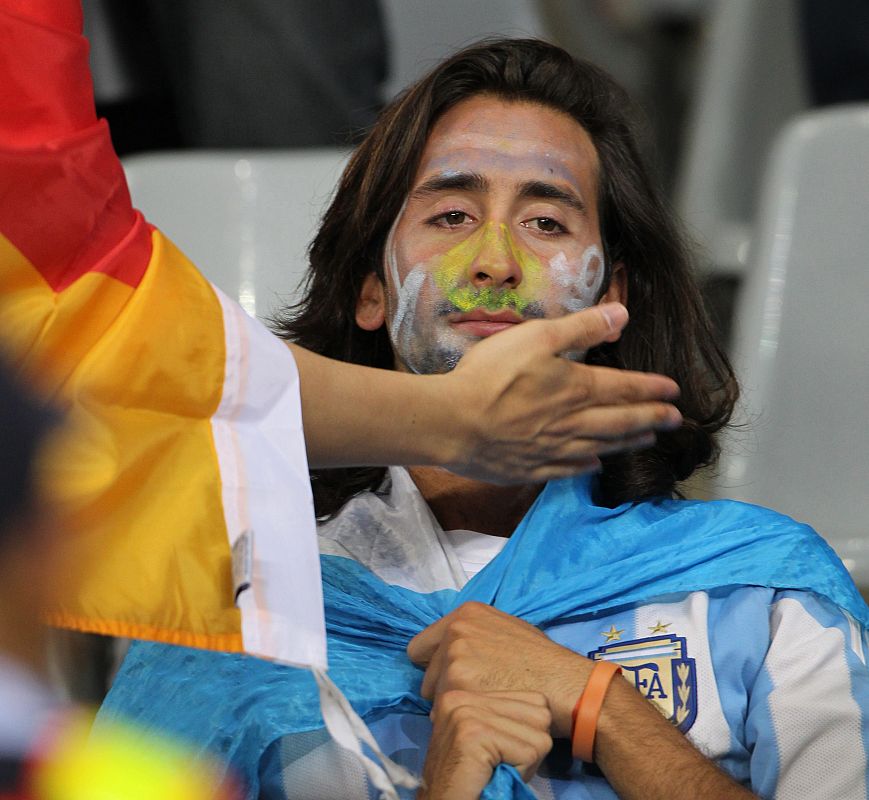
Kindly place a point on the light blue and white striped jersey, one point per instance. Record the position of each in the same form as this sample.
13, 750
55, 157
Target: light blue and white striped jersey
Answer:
739, 624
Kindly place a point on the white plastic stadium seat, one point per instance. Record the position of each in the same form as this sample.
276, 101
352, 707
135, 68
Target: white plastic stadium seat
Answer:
750, 83
423, 33
802, 336
244, 218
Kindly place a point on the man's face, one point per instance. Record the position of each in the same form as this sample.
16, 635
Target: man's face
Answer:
500, 226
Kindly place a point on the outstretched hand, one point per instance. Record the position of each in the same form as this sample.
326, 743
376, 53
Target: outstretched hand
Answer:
512, 411
531, 415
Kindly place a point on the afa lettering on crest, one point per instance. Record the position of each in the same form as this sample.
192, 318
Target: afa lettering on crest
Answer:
660, 669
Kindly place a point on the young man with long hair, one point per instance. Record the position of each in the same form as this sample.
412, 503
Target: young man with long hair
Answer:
505, 186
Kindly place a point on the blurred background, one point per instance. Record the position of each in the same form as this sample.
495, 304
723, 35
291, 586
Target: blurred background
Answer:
713, 81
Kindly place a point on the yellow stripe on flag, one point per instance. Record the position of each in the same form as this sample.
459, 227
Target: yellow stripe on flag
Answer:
49, 331
142, 374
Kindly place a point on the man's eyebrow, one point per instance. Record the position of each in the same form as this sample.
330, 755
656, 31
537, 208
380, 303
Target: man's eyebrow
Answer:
452, 181
548, 191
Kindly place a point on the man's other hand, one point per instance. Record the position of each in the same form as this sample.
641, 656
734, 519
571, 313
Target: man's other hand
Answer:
478, 648
474, 732
531, 415
479, 651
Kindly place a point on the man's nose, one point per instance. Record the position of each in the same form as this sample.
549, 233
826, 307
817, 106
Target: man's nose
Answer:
496, 264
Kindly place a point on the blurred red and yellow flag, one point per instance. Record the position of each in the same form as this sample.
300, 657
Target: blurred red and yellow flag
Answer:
189, 446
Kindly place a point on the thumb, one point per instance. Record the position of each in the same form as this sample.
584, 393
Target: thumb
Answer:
587, 328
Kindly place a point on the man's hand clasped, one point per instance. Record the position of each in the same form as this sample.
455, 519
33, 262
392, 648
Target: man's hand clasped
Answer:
474, 732
476, 659
478, 648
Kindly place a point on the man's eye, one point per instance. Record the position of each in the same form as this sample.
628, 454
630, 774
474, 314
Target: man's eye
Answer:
547, 225
454, 217
449, 219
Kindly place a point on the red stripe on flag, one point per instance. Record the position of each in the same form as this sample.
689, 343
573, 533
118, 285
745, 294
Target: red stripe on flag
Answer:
45, 91
67, 208
64, 201
64, 14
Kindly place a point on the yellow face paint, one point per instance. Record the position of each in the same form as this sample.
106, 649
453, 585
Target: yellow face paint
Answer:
452, 273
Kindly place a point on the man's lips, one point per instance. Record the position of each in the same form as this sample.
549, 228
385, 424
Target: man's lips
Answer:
484, 323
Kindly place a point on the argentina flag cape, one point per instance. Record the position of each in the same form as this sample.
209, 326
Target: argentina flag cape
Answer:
567, 559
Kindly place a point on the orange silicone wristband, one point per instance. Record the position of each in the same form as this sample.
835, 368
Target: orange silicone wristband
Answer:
587, 709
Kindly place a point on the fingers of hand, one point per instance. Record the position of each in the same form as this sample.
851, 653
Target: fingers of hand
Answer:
422, 647
470, 652
509, 727
578, 441
609, 423
585, 329
606, 385
582, 455
444, 647
432, 678
554, 470
528, 708
574, 443
502, 740
627, 444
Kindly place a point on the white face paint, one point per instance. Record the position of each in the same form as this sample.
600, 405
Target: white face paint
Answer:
500, 226
402, 311
407, 290
580, 280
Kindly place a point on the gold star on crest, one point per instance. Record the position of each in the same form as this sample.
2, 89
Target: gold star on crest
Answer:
660, 627
612, 635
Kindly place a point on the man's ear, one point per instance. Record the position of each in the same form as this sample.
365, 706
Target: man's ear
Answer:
617, 291
371, 304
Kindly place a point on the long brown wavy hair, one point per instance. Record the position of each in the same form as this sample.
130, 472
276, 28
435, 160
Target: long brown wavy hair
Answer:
669, 331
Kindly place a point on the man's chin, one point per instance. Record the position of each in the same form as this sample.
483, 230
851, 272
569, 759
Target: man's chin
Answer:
430, 362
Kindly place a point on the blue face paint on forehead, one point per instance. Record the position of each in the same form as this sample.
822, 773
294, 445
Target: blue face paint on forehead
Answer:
536, 166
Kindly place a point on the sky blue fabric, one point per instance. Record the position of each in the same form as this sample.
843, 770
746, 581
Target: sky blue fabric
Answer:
567, 558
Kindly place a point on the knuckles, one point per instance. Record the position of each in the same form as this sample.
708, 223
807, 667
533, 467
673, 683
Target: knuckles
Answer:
457, 675
473, 609
460, 630
449, 701
543, 719
468, 731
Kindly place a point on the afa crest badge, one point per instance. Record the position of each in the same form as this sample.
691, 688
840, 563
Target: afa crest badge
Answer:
660, 669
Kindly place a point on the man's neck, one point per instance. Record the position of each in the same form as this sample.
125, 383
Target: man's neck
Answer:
463, 504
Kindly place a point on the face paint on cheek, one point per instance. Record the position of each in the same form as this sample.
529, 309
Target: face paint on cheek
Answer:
420, 334
406, 292
390, 256
412, 321
405, 307
591, 275
407, 328
577, 280
563, 272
